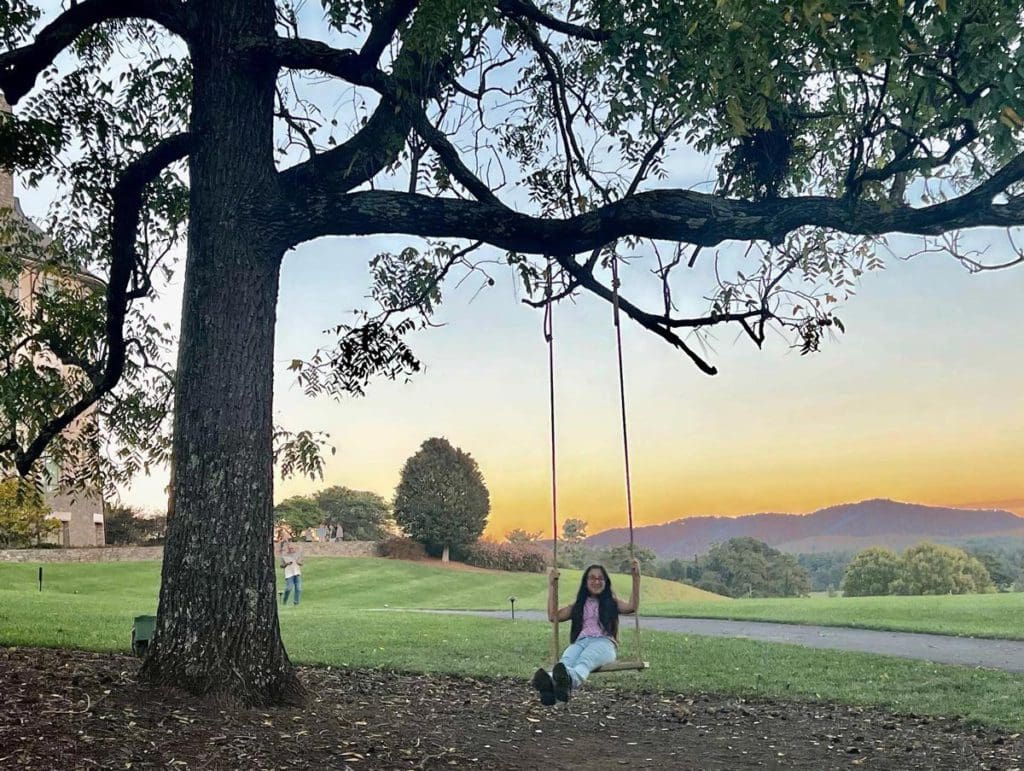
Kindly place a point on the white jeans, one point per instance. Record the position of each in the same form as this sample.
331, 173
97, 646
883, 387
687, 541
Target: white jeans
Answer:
585, 655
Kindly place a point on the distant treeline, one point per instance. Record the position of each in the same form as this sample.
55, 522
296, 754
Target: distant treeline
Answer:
740, 567
747, 567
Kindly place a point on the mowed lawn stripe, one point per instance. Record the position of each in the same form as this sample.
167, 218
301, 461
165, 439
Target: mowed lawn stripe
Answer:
969, 615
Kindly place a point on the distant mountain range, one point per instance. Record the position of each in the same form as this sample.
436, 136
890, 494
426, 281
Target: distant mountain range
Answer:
847, 527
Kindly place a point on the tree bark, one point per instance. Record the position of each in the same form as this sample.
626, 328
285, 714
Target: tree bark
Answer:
217, 628
444, 555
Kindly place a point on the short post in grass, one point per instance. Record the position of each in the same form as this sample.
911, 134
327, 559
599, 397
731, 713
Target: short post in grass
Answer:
40, 578
512, 600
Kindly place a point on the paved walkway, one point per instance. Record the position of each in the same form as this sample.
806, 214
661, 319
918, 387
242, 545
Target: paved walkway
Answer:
1007, 655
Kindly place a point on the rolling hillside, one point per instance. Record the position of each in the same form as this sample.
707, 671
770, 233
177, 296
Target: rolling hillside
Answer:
849, 526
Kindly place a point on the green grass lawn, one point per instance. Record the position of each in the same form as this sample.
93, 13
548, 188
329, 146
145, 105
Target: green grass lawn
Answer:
972, 615
342, 621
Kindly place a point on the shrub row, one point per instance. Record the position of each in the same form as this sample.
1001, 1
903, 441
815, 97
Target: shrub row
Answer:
520, 557
400, 548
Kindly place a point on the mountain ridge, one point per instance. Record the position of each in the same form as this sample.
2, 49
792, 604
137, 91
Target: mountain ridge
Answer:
876, 521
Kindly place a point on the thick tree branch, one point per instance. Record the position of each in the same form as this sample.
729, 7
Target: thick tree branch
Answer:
20, 68
673, 215
384, 28
128, 201
352, 163
303, 54
380, 142
394, 94
907, 162
365, 154
527, 10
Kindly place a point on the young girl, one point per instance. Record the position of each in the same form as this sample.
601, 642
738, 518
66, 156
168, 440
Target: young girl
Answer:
594, 633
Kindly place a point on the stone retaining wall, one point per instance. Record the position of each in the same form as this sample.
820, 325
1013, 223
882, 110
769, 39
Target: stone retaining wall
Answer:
144, 553
336, 548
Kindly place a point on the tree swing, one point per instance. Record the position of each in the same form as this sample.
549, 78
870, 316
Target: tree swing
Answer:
637, 664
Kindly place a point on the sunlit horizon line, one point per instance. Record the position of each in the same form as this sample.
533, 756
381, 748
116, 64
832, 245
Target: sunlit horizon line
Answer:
497, 529
502, 521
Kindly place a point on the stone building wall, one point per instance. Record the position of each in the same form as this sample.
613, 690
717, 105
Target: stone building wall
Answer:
81, 520
81, 516
6, 179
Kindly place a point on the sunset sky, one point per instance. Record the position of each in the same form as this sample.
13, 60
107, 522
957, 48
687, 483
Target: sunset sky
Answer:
919, 401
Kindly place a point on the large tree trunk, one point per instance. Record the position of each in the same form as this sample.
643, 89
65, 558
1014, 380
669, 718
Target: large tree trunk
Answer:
217, 628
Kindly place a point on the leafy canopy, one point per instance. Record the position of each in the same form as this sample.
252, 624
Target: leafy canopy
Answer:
925, 568
24, 516
363, 515
929, 568
747, 567
871, 572
126, 525
574, 530
298, 513
520, 536
617, 558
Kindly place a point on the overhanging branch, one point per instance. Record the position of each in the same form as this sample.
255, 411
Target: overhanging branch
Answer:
20, 68
380, 142
384, 28
527, 10
652, 323
671, 215
303, 54
128, 200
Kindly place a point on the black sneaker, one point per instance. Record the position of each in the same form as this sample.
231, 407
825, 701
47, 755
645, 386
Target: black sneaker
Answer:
562, 682
542, 682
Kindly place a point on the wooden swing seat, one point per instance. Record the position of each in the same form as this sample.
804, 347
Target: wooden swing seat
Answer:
622, 666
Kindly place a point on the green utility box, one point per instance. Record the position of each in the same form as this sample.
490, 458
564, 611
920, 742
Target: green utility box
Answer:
142, 633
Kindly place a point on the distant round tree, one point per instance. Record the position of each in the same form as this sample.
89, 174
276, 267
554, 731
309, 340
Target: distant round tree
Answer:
871, 573
129, 525
518, 535
929, 568
616, 558
749, 567
999, 568
573, 551
362, 515
441, 500
298, 513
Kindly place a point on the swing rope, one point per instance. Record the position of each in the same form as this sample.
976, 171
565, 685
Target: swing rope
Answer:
549, 336
625, 433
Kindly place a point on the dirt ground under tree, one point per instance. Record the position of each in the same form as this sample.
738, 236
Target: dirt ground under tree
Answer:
71, 709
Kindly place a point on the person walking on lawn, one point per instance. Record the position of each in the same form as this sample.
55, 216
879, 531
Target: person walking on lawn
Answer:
594, 633
291, 561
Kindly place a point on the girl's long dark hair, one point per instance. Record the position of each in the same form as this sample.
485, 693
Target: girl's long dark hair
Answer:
607, 607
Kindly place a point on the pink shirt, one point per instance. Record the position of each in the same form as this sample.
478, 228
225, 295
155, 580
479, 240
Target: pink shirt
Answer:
591, 624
